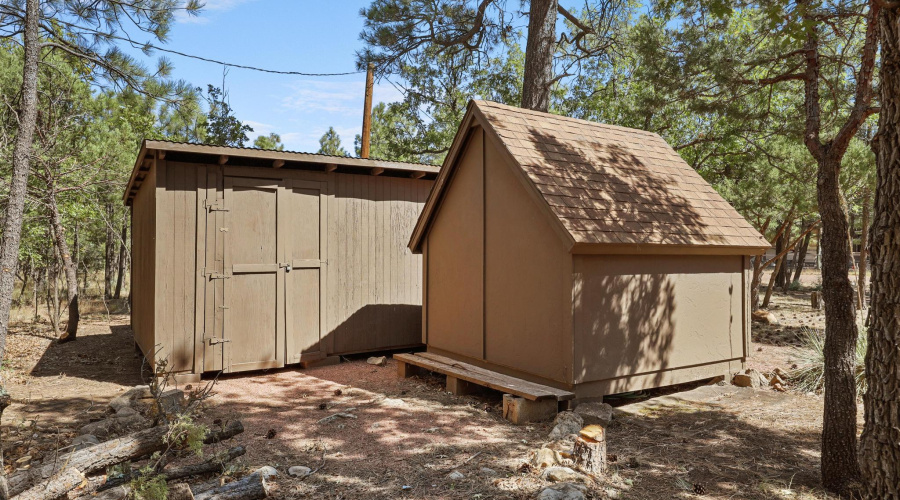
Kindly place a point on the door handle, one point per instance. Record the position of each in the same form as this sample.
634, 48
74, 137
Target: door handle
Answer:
287, 267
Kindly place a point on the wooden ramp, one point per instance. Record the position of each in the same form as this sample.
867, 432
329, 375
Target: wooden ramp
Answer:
458, 371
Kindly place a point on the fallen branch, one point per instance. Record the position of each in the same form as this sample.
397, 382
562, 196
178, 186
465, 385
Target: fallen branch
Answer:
55, 487
214, 464
110, 453
252, 487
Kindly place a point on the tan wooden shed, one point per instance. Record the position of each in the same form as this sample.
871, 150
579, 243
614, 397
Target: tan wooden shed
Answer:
579, 255
246, 259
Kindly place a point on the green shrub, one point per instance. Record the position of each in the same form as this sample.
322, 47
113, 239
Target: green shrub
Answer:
809, 376
149, 486
184, 433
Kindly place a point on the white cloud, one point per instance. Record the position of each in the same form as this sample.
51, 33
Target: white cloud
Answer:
209, 8
343, 98
259, 128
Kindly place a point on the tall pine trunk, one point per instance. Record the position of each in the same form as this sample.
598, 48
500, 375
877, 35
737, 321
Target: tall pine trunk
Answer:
840, 468
880, 440
59, 235
109, 261
539, 55
21, 160
801, 257
122, 255
861, 280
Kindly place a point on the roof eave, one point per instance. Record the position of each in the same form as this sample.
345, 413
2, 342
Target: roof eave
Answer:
664, 249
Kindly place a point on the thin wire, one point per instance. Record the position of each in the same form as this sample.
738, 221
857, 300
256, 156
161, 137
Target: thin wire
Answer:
143, 46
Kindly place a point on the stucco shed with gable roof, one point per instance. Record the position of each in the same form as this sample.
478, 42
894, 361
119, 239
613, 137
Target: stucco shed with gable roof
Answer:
581, 255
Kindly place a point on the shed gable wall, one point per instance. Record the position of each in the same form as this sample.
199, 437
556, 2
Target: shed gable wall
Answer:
648, 315
528, 319
455, 242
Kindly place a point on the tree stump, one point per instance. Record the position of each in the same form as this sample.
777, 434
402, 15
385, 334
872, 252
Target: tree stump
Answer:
590, 450
814, 300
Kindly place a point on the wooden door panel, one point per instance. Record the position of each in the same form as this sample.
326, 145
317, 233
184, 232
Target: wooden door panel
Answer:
305, 281
252, 330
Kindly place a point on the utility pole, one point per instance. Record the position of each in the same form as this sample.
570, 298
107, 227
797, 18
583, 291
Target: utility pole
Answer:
367, 112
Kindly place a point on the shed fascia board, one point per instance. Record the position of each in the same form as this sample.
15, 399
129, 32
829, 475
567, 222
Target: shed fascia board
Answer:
473, 114
667, 249
148, 146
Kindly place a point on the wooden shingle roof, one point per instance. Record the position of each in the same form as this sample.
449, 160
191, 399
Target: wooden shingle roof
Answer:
609, 185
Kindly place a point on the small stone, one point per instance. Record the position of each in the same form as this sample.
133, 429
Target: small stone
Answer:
561, 474
172, 401
595, 413
612, 493
299, 471
487, 471
377, 360
562, 491
763, 316
125, 411
741, 380
776, 380
267, 471
567, 422
456, 475
546, 457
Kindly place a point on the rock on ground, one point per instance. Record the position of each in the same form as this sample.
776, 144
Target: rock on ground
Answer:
567, 422
562, 491
267, 471
595, 413
377, 360
115, 426
750, 378
299, 471
561, 474
456, 475
545, 457
763, 316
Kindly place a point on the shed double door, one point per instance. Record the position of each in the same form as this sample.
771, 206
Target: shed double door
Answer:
273, 240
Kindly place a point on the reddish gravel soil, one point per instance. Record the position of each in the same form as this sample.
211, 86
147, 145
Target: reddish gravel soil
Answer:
401, 438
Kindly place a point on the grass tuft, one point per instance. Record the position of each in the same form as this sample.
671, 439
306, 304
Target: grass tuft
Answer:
809, 376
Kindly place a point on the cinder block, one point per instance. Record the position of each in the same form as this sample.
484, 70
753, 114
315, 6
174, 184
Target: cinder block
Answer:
520, 410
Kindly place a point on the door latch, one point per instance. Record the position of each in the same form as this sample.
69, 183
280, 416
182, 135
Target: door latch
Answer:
287, 267
217, 340
215, 276
215, 206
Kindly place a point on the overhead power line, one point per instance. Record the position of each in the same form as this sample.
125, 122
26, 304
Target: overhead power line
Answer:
143, 46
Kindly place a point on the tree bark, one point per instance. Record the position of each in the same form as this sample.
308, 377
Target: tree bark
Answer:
861, 281
121, 260
18, 186
109, 260
754, 281
252, 487
780, 274
771, 287
589, 452
840, 468
71, 272
539, 49
879, 448
801, 258
55, 487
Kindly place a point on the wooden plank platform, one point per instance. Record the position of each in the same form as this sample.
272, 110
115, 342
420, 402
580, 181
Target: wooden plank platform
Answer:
480, 376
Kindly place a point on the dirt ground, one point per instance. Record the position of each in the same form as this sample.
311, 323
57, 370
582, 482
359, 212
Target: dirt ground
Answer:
408, 435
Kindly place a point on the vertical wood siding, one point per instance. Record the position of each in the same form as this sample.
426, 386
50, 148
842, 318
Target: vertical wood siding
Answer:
374, 282
176, 263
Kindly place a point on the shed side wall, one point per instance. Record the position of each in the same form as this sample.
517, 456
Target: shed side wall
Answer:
374, 281
528, 314
648, 315
143, 264
176, 263
456, 258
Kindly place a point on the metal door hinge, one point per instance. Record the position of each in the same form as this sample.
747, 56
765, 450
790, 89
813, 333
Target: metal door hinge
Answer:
215, 206
217, 340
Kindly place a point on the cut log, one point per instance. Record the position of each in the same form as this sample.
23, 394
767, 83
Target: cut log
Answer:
252, 487
179, 491
214, 464
55, 487
95, 458
590, 450
110, 453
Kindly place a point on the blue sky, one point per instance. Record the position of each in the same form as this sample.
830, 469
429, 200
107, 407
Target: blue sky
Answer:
293, 35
